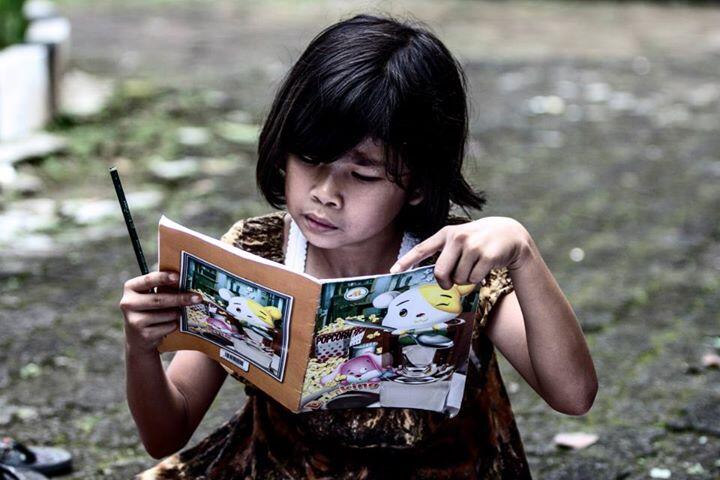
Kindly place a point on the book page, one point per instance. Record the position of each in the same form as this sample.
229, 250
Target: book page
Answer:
256, 318
394, 340
249, 322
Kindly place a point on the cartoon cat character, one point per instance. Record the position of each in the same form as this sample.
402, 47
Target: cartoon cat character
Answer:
222, 326
425, 306
251, 315
360, 369
218, 322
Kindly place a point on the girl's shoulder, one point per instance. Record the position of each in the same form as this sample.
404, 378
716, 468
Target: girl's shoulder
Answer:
496, 284
261, 235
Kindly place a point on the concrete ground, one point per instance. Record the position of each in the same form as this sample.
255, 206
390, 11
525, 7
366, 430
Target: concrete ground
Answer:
593, 124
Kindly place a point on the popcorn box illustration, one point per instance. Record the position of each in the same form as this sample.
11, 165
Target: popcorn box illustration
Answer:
337, 344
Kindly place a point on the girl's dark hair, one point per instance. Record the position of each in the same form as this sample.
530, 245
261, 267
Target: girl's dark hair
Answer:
376, 77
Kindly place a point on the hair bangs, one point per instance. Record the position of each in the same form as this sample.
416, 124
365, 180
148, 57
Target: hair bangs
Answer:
339, 113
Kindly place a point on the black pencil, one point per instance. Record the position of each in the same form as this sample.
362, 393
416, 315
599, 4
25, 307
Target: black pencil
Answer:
128, 220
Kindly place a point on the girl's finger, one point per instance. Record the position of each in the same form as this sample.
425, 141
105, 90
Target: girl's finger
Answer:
479, 272
145, 283
157, 332
420, 251
158, 301
156, 317
465, 265
446, 264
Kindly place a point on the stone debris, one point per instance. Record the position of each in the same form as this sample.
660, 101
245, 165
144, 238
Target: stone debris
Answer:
575, 440
711, 360
31, 370
551, 105
85, 211
240, 133
173, 170
550, 138
65, 362
35, 9
26, 216
567, 89
144, 200
219, 166
22, 183
660, 473
239, 116
27, 184
695, 469
704, 95
84, 95
577, 254
37, 145
138, 88
8, 175
193, 136
217, 99
38, 243
513, 81
622, 101
11, 413
597, 92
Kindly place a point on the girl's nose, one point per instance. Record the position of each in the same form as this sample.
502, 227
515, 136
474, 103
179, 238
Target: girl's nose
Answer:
327, 191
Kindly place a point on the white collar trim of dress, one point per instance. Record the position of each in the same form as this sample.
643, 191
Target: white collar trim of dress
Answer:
296, 254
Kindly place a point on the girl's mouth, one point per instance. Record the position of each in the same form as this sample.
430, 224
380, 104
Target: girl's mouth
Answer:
318, 226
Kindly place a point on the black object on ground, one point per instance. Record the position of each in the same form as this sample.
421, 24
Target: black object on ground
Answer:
46, 460
10, 473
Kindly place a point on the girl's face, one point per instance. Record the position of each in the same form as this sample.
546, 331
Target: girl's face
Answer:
352, 195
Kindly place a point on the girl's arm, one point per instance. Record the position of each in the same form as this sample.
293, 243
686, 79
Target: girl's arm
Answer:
166, 407
535, 329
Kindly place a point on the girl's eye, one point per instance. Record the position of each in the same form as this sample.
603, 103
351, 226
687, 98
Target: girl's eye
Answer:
363, 178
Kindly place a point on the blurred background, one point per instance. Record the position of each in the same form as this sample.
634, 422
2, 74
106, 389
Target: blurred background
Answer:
594, 124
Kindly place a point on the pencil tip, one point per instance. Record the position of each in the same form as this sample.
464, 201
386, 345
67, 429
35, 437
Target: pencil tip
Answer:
113, 168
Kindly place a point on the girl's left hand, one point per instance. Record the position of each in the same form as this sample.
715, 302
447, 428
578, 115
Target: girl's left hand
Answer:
470, 250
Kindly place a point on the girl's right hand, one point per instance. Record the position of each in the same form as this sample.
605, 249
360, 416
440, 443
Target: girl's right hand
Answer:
150, 316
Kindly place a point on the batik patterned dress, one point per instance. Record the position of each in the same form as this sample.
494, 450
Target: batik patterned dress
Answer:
264, 440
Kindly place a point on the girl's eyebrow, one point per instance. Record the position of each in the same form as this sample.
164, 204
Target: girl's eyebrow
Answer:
362, 159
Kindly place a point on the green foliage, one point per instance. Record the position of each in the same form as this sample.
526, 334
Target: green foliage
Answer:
12, 22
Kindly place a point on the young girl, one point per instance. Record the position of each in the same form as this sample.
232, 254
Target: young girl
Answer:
364, 146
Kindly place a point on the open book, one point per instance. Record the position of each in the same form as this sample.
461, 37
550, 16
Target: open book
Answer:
393, 340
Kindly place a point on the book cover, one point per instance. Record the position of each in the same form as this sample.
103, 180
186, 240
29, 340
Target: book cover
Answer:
391, 340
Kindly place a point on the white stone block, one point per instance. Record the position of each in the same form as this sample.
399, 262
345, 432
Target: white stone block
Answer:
54, 33
24, 90
34, 9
